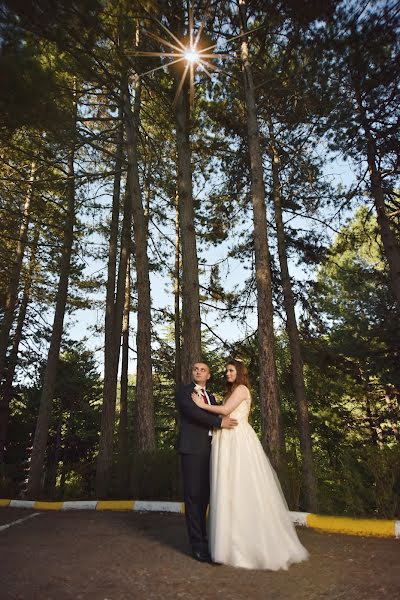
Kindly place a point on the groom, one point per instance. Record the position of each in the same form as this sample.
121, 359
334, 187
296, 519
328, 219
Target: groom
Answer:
194, 447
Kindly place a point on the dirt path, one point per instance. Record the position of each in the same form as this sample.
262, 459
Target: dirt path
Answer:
128, 556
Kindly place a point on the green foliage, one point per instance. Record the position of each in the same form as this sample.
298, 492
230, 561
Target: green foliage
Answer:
360, 482
309, 60
352, 343
156, 476
73, 433
29, 90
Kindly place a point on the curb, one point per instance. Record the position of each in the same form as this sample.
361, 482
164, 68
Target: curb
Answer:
344, 525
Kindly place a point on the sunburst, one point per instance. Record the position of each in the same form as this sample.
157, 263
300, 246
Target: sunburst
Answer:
190, 54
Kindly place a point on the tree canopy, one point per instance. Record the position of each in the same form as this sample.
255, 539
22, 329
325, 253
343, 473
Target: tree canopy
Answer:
158, 208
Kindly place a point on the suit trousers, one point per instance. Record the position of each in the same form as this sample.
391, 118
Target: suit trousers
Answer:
196, 492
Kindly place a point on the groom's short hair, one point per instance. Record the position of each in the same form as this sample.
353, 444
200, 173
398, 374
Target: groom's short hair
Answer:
201, 362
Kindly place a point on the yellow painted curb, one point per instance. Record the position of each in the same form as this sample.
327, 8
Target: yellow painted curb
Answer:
342, 525
381, 528
115, 505
48, 505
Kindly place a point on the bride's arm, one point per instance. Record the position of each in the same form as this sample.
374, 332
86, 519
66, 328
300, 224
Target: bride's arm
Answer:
239, 394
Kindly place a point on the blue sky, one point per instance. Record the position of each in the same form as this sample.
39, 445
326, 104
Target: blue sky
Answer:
82, 323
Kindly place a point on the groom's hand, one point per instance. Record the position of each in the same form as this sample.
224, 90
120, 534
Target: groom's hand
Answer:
228, 423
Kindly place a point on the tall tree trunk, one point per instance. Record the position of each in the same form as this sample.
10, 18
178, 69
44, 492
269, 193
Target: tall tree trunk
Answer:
191, 325
53, 462
123, 402
191, 328
67, 443
50, 373
177, 298
104, 458
111, 341
12, 289
390, 243
145, 427
7, 392
303, 423
272, 430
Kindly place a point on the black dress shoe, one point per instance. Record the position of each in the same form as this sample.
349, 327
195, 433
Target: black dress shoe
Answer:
201, 556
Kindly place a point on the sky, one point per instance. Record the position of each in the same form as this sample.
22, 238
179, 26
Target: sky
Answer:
86, 323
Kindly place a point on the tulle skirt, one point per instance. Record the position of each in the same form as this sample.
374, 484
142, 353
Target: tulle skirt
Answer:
249, 523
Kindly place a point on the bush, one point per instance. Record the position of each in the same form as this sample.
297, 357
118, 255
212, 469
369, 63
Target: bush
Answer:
8, 488
156, 476
364, 482
384, 466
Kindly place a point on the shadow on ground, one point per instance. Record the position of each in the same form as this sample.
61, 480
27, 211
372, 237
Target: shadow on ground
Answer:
129, 556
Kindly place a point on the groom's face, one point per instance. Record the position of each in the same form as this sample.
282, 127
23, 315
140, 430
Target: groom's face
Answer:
200, 373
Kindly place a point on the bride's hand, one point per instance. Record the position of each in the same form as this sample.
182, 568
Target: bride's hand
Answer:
197, 400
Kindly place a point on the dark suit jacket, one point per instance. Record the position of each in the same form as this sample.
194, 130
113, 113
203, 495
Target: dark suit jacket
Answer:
195, 423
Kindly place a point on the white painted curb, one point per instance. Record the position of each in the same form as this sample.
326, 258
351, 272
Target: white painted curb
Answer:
79, 505
144, 505
299, 518
388, 528
22, 503
397, 529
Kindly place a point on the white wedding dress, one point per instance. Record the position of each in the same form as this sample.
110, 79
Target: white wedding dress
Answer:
249, 522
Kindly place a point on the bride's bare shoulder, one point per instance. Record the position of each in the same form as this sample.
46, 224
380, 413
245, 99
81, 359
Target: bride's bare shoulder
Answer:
243, 389
246, 393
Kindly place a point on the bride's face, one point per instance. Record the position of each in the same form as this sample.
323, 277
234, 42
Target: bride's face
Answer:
230, 373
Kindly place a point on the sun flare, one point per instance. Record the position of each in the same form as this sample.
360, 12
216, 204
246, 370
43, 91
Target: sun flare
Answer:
195, 60
192, 56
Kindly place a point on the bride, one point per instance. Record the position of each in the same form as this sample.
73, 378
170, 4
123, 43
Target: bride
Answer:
250, 524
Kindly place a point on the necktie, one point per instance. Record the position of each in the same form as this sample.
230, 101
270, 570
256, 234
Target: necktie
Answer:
203, 395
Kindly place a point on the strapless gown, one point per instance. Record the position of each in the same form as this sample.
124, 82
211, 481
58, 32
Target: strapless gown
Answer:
249, 522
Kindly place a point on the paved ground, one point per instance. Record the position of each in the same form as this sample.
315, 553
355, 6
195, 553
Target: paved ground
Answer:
131, 556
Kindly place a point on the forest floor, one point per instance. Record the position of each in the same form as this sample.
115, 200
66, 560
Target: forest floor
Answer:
127, 556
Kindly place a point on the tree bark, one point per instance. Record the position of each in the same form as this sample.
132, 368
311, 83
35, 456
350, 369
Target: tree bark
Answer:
123, 402
272, 429
191, 327
12, 289
104, 458
191, 324
145, 439
111, 340
67, 443
53, 460
303, 423
42, 425
177, 301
